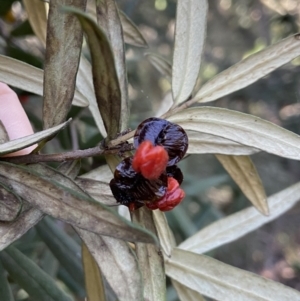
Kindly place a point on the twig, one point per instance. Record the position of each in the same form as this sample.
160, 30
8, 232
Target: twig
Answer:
73, 155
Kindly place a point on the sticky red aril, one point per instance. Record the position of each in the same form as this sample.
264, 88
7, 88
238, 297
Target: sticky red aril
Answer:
151, 161
171, 199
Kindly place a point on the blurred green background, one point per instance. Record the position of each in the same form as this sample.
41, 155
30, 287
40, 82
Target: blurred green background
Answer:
235, 30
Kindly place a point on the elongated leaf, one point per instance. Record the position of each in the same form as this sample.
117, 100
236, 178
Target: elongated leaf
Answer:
161, 65
200, 143
84, 84
100, 191
108, 18
244, 173
241, 223
190, 34
165, 105
26, 77
9, 232
250, 69
70, 168
150, 260
21, 143
220, 281
132, 35
38, 284
69, 204
63, 48
93, 278
3, 133
165, 235
37, 16
105, 78
185, 293
241, 128
118, 264
102, 174
5, 290
10, 204
63, 247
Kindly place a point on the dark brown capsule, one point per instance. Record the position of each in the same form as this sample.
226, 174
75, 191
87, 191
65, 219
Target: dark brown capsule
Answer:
129, 187
164, 133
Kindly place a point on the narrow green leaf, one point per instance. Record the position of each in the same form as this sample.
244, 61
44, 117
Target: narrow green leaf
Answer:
241, 128
3, 133
109, 20
117, 263
244, 173
220, 281
10, 204
105, 78
9, 232
239, 224
37, 16
185, 293
161, 64
100, 191
60, 197
63, 247
165, 235
84, 85
132, 35
93, 278
20, 143
101, 173
251, 69
201, 143
70, 168
5, 291
190, 32
150, 260
28, 78
63, 50
38, 284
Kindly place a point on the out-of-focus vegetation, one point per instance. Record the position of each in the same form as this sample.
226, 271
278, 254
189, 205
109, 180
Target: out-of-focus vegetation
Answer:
235, 30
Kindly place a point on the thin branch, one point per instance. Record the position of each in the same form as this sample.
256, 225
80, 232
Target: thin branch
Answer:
73, 155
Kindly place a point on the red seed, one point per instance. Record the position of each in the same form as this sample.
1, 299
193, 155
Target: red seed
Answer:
151, 161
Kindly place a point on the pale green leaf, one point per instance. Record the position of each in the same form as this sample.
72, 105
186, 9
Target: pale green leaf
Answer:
185, 293
20, 143
201, 143
150, 260
105, 78
117, 263
242, 128
250, 69
37, 283
109, 20
93, 279
98, 190
63, 48
10, 204
223, 282
10, 232
101, 173
243, 172
84, 85
160, 64
165, 235
28, 78
239, 224
58, 196
164, 105
3, 133
5, 289
132, 35
190, 31
37, 16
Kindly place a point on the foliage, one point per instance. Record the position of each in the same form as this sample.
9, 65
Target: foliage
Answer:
129, 260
